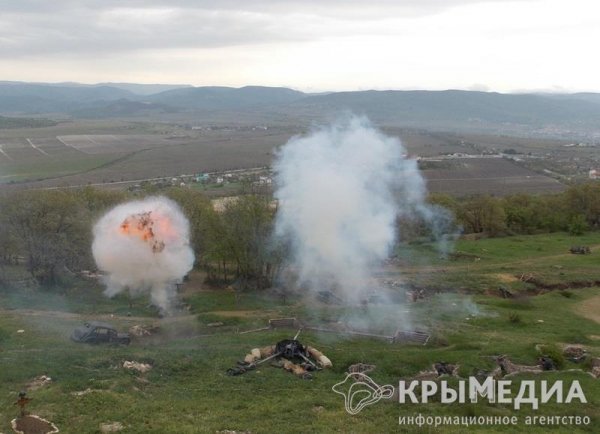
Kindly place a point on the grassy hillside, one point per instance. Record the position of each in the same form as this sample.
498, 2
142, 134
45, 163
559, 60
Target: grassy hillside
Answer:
527, 264
187, 390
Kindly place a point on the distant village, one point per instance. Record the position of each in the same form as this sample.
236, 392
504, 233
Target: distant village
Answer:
262, 177
253, 177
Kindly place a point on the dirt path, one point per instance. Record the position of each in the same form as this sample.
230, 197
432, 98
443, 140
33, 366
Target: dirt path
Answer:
69, 315
244, 313
96, 317
590, 308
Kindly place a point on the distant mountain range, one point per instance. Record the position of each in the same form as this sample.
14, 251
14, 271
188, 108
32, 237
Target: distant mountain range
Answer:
226, 98
41, 98
460, 106
579, 111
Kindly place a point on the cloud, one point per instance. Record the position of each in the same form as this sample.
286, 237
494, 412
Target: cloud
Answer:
34, 27
333, 6
125, 29
317, 45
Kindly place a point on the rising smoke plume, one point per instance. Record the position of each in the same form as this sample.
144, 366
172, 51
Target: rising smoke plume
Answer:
143, 247
340, 190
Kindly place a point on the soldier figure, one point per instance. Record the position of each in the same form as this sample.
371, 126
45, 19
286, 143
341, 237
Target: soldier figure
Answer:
22, 401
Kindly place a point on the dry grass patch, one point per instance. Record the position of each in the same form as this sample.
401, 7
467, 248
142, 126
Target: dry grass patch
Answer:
590, 309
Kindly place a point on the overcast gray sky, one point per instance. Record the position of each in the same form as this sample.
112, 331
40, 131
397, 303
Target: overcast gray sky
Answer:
312, 45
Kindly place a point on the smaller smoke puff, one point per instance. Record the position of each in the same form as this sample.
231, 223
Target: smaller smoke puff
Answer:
144, 247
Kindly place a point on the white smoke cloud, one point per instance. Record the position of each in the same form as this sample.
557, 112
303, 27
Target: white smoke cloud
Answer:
340, 190
144, 247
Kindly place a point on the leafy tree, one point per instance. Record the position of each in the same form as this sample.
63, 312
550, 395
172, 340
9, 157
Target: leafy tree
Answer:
9, 249
445, 201
200, 213
578, 225
522, 213
51, 229
246, 228
584, 199
482, 214
552, 213
97, 201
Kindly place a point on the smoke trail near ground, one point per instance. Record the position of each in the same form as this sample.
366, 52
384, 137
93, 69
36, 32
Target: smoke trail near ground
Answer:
143, 247
340, 191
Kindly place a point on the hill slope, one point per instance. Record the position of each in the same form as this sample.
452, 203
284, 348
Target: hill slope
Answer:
227, 98
458, 106
40, 98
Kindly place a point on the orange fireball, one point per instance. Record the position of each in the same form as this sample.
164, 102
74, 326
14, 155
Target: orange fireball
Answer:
141, 226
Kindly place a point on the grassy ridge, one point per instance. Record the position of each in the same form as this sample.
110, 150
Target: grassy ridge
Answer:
485, 265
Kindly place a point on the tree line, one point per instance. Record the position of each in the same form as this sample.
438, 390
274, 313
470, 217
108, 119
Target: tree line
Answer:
49, 232
575, 210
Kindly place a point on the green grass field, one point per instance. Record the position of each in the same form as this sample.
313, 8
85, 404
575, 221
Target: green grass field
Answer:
187, 390
516, 262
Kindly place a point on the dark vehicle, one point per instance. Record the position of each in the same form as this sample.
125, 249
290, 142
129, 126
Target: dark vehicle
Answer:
95, 332
580, 250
